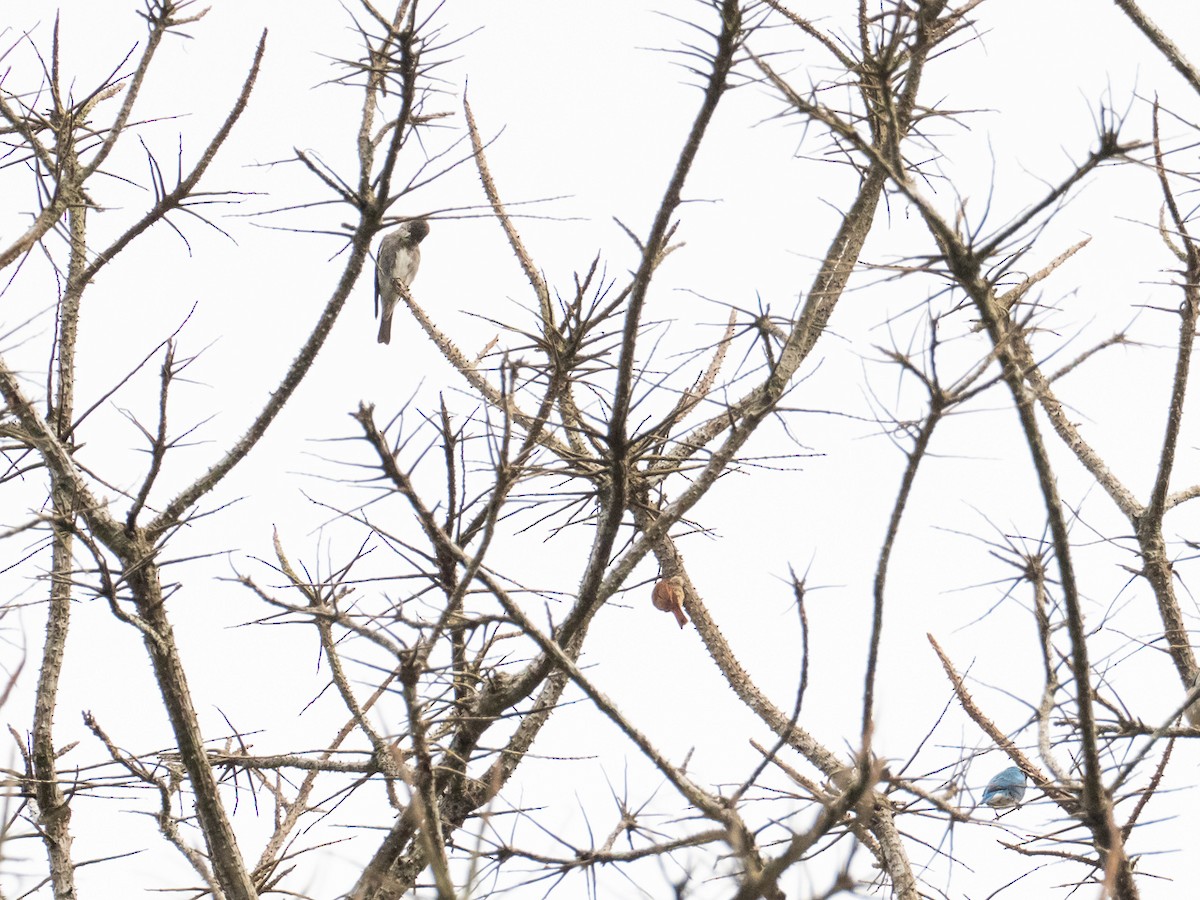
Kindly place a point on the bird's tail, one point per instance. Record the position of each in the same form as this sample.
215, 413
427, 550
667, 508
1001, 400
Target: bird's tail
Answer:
385, 329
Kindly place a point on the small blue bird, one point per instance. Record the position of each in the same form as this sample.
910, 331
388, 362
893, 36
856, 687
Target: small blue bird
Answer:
1005, 789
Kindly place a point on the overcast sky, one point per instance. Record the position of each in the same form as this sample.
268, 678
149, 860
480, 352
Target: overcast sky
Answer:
587, 114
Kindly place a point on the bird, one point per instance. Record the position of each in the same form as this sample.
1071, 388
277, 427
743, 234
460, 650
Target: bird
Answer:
398, 260
1005, 789
668, 596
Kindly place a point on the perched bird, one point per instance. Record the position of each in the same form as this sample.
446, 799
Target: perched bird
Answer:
668, 596
399, 257
1005, 789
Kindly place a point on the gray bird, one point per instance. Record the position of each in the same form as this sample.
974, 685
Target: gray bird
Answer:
399, 257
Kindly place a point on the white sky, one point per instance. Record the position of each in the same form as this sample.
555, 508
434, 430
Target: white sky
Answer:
586, 113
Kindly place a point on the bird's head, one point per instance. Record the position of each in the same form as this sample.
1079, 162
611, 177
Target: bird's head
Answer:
414, 231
